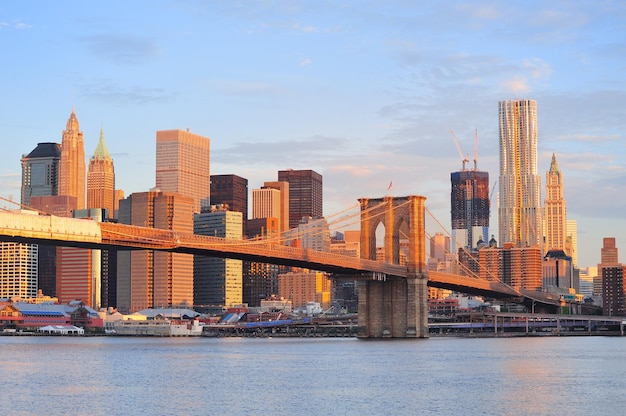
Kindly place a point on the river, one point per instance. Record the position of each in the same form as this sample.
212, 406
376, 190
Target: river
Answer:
312, 376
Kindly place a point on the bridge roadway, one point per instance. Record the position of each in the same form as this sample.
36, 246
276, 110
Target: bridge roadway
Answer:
47, 229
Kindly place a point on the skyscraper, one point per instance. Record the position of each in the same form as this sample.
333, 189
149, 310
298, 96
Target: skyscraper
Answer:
305, 194
182, 165
40, 172
266, 203
147, 278
555, 213
231, 190
72, 174
571, 241
40, 178
283, 187
519, 207
217, 282
469, 208
101, 179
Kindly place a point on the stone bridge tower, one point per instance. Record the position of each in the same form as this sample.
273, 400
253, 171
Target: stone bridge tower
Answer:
392, 306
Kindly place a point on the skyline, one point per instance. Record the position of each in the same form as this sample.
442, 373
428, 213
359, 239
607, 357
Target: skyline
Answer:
345, 87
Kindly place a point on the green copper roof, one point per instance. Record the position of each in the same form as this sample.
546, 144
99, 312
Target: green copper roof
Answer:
554, 167
101, 151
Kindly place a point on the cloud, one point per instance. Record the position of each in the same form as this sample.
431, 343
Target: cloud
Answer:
121, 49
538, 68
516, 85
107, 91
305, 62
17, 25
242, 88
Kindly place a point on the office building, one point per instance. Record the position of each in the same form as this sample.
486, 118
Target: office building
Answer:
283, 187
305, 194
217, 281
310, 233
303, 287
101, 179
555, 213
519, 267
260, 280
231, 190
469, 208
266, 203
40, 172
18, 270
613, 288
155, 279
40, 175
182, 165
72, 173
519, 206
608, 252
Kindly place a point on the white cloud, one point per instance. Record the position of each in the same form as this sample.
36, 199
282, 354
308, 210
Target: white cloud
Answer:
516, 85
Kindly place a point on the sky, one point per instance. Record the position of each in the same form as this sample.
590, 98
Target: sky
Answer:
363, 92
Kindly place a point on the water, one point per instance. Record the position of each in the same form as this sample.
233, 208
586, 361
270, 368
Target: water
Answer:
305, 376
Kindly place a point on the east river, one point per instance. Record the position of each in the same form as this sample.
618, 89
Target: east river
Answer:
312, 376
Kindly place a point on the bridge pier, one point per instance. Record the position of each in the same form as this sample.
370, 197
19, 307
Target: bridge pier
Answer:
394, 307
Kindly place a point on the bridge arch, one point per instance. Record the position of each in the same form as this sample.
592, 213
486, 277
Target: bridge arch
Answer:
394, 306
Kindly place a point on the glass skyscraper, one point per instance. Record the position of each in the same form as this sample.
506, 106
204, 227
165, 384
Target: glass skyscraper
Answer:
519, 204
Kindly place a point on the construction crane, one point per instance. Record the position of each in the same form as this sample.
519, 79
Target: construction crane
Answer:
492, 189
476, 150
464, 159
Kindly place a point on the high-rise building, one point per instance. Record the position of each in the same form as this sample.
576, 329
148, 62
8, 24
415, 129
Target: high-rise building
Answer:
303, 287
266, 203
18, 274
72, 174
40, 177
305, 194
260, 280
182, 165
40, 172
555, 213
469, 208
283, 187
519, 206
101, 179
608, 253
231, 190
218, 282
613, 288
153, 279
519, 267
311, 233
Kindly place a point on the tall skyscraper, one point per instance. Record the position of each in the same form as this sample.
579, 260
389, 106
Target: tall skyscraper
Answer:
266, 203
182, 165
469, 208
608, 252
72, 174
217, 282
611, 273
231, 190
40, 172
152, 279
519, 207
40, 178
283, 187
305, 194
101, 179
555, 213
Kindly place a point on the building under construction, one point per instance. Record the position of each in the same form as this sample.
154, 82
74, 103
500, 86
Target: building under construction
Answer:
469, 204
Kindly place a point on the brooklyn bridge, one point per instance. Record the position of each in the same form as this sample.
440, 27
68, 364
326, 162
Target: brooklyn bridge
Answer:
393, 297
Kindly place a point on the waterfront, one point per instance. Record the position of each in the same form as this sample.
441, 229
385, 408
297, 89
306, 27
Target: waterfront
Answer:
289, 376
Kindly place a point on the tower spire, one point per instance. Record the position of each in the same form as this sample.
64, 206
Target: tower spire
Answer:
101, 152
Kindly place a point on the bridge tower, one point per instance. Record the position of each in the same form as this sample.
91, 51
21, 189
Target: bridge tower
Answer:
392, 306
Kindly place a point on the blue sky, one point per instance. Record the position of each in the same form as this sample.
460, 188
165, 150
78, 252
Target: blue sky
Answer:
363, 92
